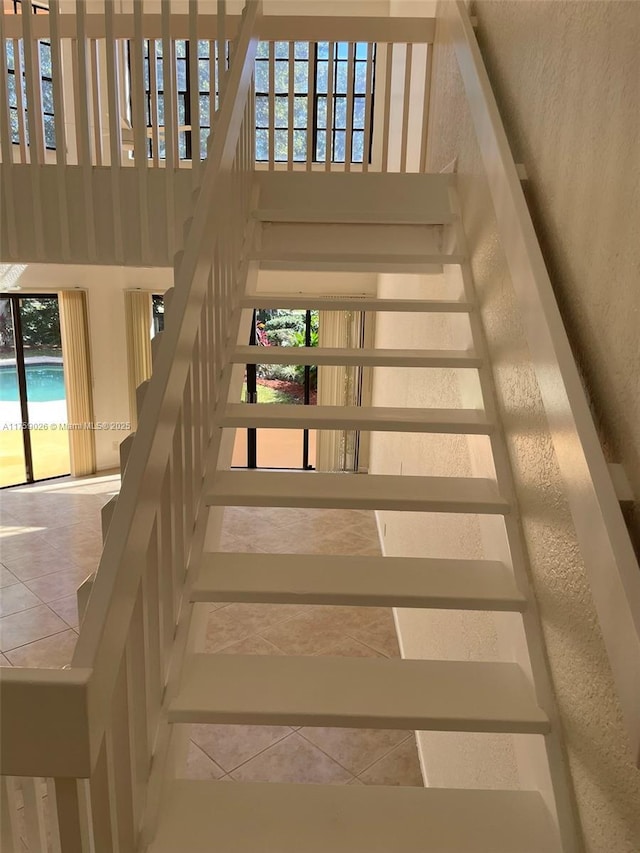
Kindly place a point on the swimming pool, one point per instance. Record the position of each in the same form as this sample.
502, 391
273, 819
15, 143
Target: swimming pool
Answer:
45, 383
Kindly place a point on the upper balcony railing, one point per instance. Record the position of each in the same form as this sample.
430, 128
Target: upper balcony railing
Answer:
123, 105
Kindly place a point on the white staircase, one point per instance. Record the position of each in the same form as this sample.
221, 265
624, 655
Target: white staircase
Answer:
437, 695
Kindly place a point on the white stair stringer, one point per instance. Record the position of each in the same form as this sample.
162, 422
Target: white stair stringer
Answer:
504, 541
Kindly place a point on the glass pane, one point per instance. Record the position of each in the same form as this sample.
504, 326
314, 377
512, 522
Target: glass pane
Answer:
281, 145
282, 76
282, 50
321, 77
263, 50
262, 145
300, 112
203, 49
204, 136
205, 116
262, 111
300, 145
342, 50
301, 77
340, 118
262, 76
12, 466
47, 96
338, 146
10, 59
361, 50
341, 78
321, 147
358, 113
49, 132
301, 50
182, 75
321, 113
323, 50
361, 78
11, 81
279, 448
157, 302
204, 72
357, 147
45, 59
239, 458
46, 397
282, 111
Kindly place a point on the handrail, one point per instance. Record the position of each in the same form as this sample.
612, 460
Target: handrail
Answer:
604, 541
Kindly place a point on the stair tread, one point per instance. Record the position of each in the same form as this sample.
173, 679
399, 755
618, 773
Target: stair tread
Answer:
356, 491
284, 416
353, 216
346, 303
354, 580
245, 817
362, 356
433, 695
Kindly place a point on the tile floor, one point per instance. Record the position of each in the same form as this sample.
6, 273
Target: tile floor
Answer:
50, 540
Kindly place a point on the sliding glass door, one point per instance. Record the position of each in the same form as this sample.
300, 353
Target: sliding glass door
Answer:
33, 412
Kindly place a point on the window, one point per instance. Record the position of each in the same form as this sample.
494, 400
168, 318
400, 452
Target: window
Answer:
184, 58
15, 62
326, 106
331, 106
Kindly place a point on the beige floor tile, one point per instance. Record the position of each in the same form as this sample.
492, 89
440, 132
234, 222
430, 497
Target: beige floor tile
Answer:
15, 598
350, 648
401, 766
67, 609
21, 544
53, 652
381, 635
306, 634
58, 584
231, 746
354, 749
35, 565
6, 577
255, 645
200, 766
239, 621
293, 759
29, 626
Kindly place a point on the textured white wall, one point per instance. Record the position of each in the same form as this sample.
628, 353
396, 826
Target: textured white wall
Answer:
567, 81
607, 784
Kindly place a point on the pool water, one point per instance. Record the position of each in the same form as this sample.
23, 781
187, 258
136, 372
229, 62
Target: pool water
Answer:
45, 383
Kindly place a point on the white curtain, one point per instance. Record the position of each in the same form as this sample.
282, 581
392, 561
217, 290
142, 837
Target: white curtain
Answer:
74, 328
138, 318
338, 386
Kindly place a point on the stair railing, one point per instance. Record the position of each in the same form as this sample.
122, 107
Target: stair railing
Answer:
89, 742
605, 545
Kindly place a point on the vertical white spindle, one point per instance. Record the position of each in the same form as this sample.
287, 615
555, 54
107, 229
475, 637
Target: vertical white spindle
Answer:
138, 706
138, 98
51, 815
165, 556
368, 109
94, 58
177, 507
33, 83
115, 133
386, 129
151, 614
311, 104
102, 802
18, 60
170, 120
194, 83
222, 46
426, 107
60, 126
34, 123
187, 447
272, 105
406, 107
82, 128
9, 828
153, 89
348, 135
5, 139
72, 823
120, 759
290, 105
196, 413
330, 86
213, 87
34, 822
211, 337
